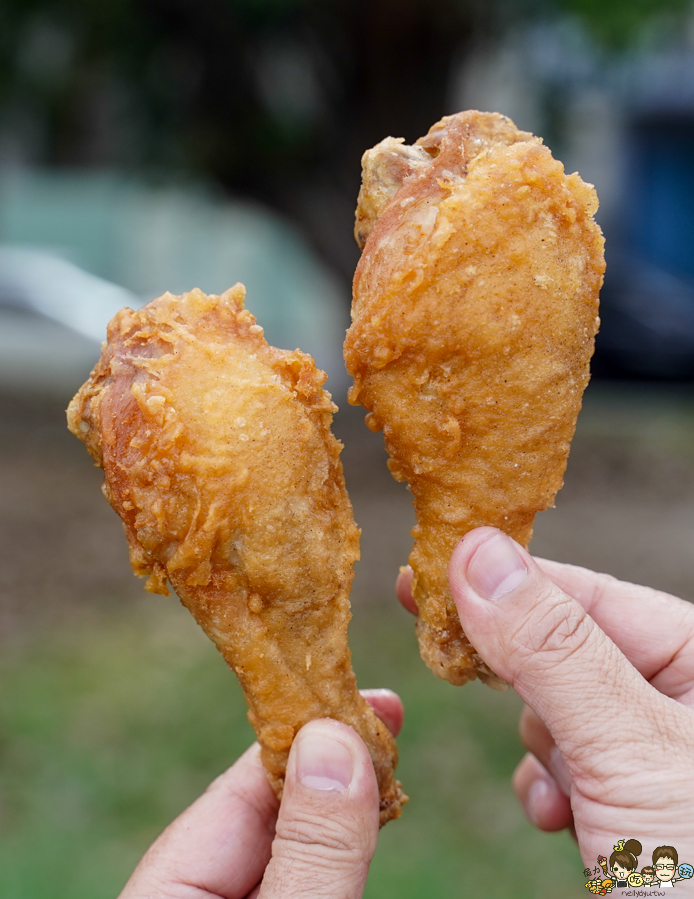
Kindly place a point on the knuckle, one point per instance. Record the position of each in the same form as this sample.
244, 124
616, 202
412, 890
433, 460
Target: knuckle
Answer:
673, 732
638, 768
316, 855
300, 877
533, 733
562, 632
339, 839
553, 632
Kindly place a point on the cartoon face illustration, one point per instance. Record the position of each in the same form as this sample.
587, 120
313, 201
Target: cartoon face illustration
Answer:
648, 874
665, 869
620, 872
634, 879
624, 860
685, 871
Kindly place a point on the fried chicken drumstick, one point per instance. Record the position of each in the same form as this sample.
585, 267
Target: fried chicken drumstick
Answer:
219, 458
473, 322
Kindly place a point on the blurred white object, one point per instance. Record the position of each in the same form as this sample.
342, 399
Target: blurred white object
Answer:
59, 227
45, 283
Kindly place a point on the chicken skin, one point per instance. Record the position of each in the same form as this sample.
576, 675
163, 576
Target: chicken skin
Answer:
218, 457
473, 323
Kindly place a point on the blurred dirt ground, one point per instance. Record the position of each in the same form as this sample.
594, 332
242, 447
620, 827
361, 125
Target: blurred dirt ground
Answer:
627, 506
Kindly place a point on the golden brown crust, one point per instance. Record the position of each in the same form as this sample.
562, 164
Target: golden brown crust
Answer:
219, 458
473, 323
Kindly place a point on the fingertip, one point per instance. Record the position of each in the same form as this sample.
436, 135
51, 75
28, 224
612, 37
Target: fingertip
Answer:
403, 589
544, 803
388, 707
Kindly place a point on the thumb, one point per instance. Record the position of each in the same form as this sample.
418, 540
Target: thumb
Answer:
328, 821
544, 643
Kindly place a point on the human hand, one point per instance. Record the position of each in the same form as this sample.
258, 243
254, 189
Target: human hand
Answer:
238, 842
607, 672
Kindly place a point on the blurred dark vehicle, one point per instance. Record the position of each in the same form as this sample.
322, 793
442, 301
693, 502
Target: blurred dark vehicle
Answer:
648, 299
647, 322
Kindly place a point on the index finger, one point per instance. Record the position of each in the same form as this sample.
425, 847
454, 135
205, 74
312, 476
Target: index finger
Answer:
403, 589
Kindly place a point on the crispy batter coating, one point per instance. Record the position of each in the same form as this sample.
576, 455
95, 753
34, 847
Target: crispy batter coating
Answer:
219, 458
473, 323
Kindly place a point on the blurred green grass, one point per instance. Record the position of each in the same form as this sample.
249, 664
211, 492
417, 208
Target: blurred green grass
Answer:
116, 711
113, 722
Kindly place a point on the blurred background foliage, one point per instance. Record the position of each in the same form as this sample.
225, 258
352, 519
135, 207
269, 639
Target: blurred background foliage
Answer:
154, 144
619, 24
273, 99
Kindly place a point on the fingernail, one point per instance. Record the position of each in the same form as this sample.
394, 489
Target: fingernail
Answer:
496, 568
537, 798
322, 762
